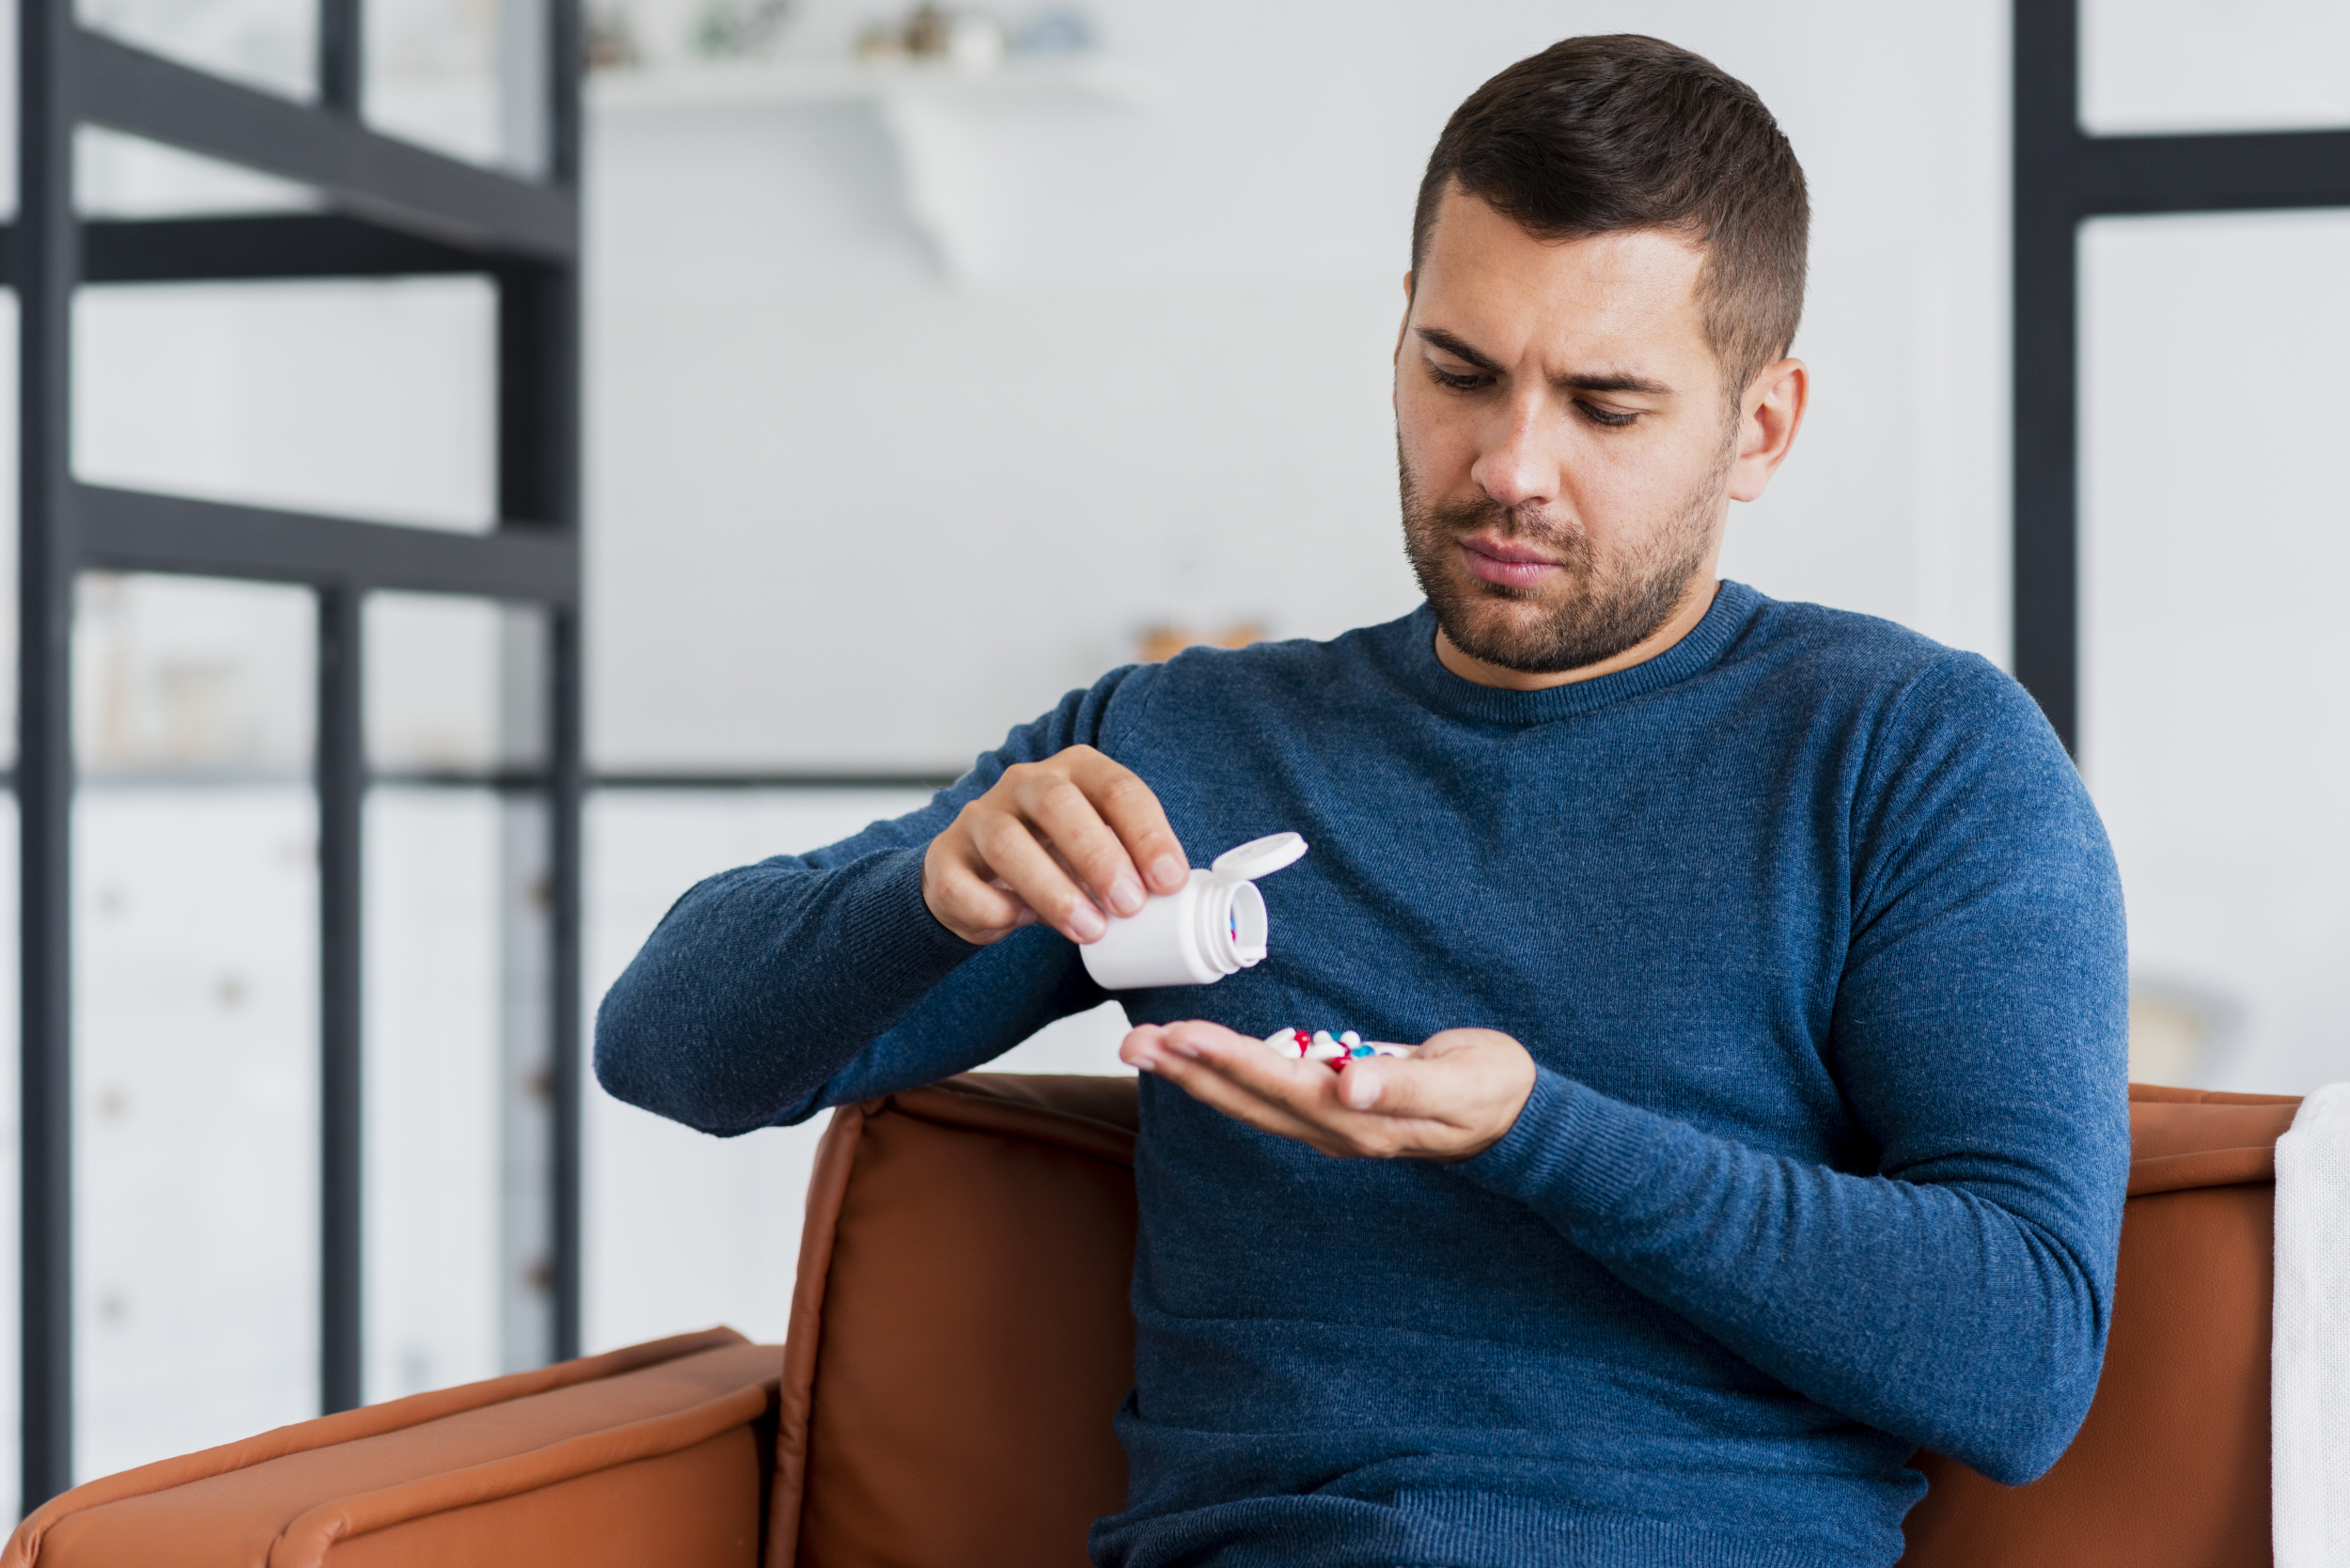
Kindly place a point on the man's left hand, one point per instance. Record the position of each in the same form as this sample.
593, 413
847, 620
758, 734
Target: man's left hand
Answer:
1453, 1100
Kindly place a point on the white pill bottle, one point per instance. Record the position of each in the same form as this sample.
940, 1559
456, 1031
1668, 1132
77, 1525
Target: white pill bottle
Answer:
1213, 928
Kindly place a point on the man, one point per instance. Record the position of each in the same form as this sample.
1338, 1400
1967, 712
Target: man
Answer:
1769, 960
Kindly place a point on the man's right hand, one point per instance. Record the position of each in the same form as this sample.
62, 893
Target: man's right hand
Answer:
1057, 840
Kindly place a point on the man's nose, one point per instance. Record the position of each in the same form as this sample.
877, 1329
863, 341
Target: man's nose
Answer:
1515, 465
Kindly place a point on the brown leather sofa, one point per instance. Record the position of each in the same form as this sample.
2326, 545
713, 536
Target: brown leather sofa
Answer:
960, 1337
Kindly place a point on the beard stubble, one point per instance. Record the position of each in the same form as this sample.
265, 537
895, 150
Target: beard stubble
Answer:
1612, 604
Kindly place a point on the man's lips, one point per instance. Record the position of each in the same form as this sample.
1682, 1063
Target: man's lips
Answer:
1504, 564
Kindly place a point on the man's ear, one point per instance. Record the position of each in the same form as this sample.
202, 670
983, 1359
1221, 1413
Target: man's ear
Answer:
1769, 415
1405, 324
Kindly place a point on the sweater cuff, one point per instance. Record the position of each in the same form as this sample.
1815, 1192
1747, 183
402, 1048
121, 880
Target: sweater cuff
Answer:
900, 945
1570, 1145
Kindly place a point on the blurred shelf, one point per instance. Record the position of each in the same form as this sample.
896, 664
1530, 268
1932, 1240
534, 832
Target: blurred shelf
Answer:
928, 109
1084, 78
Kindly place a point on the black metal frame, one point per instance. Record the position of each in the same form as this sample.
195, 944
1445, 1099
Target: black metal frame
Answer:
395, 209
2063, 177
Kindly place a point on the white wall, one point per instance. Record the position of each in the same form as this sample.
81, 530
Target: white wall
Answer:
2213, 65
2214, 543
846, 511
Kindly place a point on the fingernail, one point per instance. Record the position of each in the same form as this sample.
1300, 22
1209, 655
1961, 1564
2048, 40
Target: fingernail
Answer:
1026, 917
1126, 895
1168, 871
1359, 1089
1085, 922
1179, 1045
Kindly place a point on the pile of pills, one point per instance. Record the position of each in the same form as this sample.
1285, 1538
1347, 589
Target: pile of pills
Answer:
1335, 1051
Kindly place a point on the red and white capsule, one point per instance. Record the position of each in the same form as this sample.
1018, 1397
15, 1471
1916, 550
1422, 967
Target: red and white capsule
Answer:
1335, 1050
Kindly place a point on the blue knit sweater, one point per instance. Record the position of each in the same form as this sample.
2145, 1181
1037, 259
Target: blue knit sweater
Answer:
1817, 943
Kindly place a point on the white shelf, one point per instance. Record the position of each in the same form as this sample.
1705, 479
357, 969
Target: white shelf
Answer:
1082, 78
927, 109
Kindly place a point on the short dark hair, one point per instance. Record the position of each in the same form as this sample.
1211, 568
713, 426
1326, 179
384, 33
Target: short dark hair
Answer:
1604, 135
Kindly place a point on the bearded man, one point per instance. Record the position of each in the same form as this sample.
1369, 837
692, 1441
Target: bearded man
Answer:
1769, 1123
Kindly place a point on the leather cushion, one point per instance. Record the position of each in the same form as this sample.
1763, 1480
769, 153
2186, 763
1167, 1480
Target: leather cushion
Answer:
648, 1454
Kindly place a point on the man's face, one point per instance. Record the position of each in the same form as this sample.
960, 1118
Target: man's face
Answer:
1564, 438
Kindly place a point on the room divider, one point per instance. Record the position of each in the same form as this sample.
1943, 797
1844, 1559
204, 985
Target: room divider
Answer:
383, 207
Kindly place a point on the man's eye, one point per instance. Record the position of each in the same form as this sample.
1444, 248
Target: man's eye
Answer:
1466, 382
1606, 419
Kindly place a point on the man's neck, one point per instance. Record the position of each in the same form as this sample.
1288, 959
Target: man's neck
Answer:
1694, 601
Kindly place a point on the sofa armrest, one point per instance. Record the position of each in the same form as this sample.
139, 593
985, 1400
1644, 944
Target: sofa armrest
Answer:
656, 1453
2171, 1465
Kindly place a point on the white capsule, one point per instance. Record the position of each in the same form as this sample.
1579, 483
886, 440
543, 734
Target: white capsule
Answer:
1324, 1049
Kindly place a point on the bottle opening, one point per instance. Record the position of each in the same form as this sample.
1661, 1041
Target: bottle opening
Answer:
1246, 924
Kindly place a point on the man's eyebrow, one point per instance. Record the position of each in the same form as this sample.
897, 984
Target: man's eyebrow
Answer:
1438, 337
1616, 383
1596, 381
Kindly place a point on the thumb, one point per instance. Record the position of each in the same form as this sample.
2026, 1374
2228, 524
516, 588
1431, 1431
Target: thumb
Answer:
1392, 1086
1360, 1084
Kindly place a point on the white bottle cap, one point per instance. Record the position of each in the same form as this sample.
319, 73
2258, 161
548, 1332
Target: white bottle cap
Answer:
1258, 857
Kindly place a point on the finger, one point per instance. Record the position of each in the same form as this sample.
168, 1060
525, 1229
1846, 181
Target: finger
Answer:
961, 897
1219, 1091
1026, 916
968, 902
1194, 1047
1298, 1092
1375, 1105
1011, 854
1134, 814
1196, 1036
1301, 1087
1302, 1101
1400, 1087
1360, 1085
1061, 811
1438, 1092
1146, 1047
1141, 1048
981, 898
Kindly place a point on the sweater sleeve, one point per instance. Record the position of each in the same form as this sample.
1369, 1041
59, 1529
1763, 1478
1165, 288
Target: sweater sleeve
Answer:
773, 991
1958, 1294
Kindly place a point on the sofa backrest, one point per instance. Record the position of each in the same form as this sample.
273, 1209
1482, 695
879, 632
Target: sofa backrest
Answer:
960, 1333
960, 1337
2170, 1469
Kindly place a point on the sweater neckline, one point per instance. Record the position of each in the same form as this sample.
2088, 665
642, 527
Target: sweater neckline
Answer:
1734, 605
